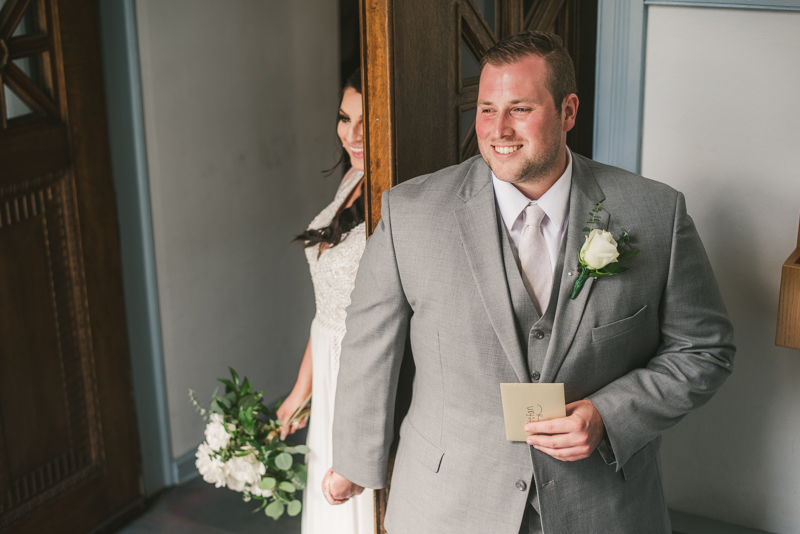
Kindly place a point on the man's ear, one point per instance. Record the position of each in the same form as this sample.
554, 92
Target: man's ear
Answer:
569, 111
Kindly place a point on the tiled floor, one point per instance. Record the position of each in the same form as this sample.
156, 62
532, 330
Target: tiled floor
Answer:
197, 507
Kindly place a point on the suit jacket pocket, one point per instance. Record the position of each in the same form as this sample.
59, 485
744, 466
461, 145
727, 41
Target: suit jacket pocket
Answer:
617, 328
639, 461
428, 454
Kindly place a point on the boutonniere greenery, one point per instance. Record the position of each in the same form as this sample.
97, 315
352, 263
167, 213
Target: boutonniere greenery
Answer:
600, 253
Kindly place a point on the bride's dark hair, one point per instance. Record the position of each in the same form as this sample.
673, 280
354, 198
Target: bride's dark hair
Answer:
348, 218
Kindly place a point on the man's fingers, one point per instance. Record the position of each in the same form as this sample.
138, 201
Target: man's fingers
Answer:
571, 454
562, 425
326, 489
558, 441
338, 489
570, 438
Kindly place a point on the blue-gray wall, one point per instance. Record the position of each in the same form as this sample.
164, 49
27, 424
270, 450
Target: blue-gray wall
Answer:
220, 124
129, 167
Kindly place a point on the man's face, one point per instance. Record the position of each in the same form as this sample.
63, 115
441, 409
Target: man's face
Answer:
521, 135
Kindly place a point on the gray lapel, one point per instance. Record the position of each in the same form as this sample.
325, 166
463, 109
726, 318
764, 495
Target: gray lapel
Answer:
477, 223
584, 195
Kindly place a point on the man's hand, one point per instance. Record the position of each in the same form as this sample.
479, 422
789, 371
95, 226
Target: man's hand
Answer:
338, 489
569, 438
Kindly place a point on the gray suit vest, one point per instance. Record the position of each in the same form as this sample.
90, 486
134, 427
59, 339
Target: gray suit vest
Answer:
533, 330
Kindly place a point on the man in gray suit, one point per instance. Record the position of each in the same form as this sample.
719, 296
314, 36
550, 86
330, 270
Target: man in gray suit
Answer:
475, 266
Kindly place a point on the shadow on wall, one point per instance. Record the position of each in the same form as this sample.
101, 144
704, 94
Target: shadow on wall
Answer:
734, 439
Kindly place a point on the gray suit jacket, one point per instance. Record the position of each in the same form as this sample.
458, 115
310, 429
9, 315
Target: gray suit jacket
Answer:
646, 347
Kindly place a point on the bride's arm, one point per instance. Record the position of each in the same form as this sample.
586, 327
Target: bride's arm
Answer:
300, 392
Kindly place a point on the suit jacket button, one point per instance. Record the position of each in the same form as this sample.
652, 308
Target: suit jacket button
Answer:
538, 334
536, 375
521, 485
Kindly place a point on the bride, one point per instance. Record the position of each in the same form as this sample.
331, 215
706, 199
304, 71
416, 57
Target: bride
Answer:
334, 242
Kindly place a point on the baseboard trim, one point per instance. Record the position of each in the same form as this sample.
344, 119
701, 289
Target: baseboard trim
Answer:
683, 523
183, 468
121, 518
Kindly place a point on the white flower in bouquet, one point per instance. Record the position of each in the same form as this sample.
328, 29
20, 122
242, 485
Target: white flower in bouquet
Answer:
258, 492
213, 470
244, 452
243, 470
217, 435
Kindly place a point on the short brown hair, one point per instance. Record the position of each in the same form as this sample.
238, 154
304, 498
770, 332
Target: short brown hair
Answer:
548, 46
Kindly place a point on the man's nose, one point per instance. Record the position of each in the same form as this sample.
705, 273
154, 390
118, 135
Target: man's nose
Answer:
503, 126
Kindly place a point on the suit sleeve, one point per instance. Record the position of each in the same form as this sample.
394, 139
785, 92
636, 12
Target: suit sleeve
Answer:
694, 357
372, 352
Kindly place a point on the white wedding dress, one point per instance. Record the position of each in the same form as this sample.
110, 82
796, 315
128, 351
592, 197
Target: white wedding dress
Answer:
333, 274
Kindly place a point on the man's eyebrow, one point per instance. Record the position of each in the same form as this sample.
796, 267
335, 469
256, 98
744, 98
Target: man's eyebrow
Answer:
512, 102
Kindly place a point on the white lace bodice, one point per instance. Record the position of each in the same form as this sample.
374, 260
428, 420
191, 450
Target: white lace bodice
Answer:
334, 273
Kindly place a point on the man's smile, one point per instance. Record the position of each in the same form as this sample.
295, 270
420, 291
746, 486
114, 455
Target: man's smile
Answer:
509, 149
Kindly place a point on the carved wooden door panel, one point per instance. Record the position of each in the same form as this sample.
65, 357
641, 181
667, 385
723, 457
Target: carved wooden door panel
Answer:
420, 68
69, 458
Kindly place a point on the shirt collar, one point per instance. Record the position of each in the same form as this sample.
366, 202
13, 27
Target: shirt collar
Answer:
554, 202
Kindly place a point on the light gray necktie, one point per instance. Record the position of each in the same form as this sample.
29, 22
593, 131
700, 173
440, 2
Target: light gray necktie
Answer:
534, 258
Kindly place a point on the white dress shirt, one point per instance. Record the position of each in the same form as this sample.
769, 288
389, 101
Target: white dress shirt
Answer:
554, 203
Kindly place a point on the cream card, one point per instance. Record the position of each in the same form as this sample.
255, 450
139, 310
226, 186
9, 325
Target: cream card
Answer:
529, 403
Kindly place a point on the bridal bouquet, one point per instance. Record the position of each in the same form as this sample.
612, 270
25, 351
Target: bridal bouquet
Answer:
243, 450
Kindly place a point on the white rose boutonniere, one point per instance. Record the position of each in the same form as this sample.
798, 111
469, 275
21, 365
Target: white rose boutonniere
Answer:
600, 253
599, 250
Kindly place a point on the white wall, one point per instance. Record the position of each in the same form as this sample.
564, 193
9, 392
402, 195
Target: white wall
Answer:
722, 124
240, 104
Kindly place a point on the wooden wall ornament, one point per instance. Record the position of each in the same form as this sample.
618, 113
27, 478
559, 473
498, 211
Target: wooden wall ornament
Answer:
788, 329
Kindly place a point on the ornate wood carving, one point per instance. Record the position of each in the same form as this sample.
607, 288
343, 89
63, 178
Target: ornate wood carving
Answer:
69, 458
49, 420
29, 36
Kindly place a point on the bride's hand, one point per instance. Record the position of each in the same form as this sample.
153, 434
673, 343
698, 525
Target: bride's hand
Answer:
286, 410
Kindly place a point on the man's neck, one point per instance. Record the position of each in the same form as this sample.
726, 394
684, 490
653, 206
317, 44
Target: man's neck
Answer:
534, 190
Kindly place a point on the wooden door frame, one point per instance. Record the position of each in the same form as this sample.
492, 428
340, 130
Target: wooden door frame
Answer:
377, 82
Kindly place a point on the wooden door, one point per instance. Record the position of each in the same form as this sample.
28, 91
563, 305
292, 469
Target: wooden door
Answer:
69, 459
420, 73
